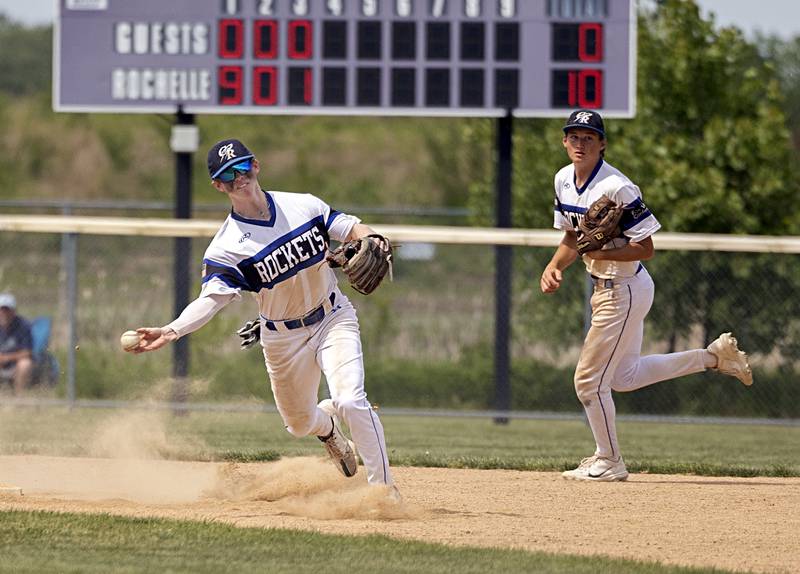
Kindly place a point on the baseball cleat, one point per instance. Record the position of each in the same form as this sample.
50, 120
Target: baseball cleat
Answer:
598, 469
582, 471
341, 450
394, 494
730, 360
607, 470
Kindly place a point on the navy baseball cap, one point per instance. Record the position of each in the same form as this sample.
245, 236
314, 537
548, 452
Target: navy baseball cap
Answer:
226, 153
586, 119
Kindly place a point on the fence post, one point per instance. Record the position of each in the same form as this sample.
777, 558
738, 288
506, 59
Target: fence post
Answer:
184, 142
502, 289
69, 262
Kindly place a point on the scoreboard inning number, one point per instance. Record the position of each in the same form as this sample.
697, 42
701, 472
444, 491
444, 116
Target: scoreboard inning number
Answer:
416, 57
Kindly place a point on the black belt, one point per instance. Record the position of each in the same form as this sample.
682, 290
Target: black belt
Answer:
312, 318
609, 283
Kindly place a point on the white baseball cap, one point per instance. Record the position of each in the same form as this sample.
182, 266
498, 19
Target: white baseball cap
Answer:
8, 300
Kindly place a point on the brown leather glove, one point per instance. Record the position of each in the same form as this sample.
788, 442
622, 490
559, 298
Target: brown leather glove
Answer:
599, 226
365, 261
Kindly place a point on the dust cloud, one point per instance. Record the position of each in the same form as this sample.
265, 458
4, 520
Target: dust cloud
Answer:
304, 486
310, 487
133, 457
141, 435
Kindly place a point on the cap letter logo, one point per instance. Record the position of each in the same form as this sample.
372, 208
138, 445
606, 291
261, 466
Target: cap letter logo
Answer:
226, 152
583, 117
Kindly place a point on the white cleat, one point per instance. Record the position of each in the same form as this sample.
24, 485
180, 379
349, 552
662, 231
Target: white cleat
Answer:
608, 470
394, 494
582, 471
730, 360
598, 469
341, 450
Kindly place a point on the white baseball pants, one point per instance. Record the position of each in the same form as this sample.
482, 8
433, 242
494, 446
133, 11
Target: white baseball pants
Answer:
295, 360
611, 360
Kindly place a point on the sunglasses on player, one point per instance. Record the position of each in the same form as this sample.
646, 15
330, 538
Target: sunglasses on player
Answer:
229, 174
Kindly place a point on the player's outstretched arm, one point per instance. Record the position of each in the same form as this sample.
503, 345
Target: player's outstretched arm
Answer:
195, 315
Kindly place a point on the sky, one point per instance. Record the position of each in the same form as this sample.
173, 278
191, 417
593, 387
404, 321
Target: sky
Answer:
779, 17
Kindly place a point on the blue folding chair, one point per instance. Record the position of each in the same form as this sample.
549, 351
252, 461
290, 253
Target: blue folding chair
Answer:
45, 365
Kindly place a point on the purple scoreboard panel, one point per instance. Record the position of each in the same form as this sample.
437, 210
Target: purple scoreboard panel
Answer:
538, 58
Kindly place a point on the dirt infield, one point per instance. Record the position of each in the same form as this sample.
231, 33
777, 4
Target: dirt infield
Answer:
732, 523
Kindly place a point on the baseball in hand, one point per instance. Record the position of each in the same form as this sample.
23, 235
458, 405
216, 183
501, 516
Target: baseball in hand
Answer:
130, 340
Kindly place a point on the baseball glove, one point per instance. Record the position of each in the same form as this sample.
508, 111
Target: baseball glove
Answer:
599, 226
365, 261
250, 333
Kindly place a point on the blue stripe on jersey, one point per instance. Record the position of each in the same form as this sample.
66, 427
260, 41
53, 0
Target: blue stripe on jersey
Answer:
633, 214
566, 208
334, 214
580, 190
228, 275
259, 222
282, 259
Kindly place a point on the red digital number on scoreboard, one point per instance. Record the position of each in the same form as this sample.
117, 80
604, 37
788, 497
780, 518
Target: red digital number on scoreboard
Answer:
577, 88
231, 39
266, 44
265, 85
577, 42
299, 46
229, 81
265, 39
590, 42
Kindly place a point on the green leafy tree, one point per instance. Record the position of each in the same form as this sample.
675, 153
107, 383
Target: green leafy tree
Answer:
786, 56
711, 151
711, 111
25, 58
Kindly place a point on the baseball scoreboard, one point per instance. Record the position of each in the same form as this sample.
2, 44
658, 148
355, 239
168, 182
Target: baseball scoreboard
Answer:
537, 58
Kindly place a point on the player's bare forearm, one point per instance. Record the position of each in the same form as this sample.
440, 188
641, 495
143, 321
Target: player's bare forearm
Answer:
360, 230
566, 253
564, 256
633, 251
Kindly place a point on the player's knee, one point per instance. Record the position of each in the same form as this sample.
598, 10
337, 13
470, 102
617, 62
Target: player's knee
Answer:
350, 404
585, 389
300, 426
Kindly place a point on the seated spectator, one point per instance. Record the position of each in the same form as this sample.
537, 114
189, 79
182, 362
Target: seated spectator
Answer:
16, 361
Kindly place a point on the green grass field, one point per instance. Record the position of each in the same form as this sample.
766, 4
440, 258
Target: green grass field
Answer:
49, 542
546, 445
39, 541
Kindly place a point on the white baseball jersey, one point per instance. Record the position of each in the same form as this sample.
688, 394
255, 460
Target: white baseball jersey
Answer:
281, 261
571, 204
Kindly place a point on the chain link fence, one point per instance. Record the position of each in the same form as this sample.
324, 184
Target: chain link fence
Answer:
429, 336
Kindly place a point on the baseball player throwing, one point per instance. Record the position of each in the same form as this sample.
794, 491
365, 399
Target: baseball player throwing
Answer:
273, 244
613, 244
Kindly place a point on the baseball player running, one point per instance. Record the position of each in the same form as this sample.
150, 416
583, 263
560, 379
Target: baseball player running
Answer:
623, 291
274, 245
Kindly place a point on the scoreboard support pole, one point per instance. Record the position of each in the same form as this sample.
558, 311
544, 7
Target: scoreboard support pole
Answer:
503, 253
184, 143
